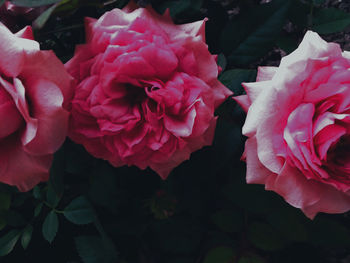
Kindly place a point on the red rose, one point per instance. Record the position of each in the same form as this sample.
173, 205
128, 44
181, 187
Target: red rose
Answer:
147, 90
33, 87
298, 127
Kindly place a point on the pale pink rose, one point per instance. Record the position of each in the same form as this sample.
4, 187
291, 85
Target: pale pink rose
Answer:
147, 90
298, 127
34, 87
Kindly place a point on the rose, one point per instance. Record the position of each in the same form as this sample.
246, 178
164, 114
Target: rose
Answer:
147, 90
33, 86
298, 127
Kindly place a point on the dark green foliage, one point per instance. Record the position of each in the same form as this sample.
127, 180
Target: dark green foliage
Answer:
79, 211
50, 226
245, 39
92, 249
26, 236
34, 3
8, 241
330, 20
92, 212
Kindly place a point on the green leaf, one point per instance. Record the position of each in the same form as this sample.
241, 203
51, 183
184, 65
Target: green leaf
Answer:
37, 209
26, 236
37, 192
220, 255
245, 40
265, 237
8, 241
2, 2
50, 226
41, 20
5, 201
233, 79
92, 249
330, 20
51, 197
228, 221
34, 3
79, 211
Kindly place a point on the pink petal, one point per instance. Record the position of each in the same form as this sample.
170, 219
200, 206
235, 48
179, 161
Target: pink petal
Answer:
45, 65
13, 51
181, 126
26, 32
312, 46
254, 89
11, 117
326, 137
332, 201
243, 101
17, 92
295, 188
52, 120
266, 73
20, 168
256, 172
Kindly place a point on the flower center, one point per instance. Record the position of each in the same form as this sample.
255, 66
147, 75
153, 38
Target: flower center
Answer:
135, 94
339, 154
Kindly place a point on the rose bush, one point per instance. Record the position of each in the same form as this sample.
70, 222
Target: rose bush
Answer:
298, 127
147, 89
34, 89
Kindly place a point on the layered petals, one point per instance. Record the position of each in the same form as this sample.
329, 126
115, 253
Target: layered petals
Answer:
298, 126
35, 91
147, 89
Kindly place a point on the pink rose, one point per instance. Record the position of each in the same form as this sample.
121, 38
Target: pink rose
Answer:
298, 127
33, 87
147, 90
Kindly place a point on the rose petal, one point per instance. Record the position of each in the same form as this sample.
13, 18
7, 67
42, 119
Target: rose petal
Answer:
52, 120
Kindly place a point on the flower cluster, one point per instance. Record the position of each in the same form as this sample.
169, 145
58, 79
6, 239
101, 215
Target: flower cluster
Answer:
142, 91
145, 94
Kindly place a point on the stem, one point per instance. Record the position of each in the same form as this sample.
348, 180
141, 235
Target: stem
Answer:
54, 209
